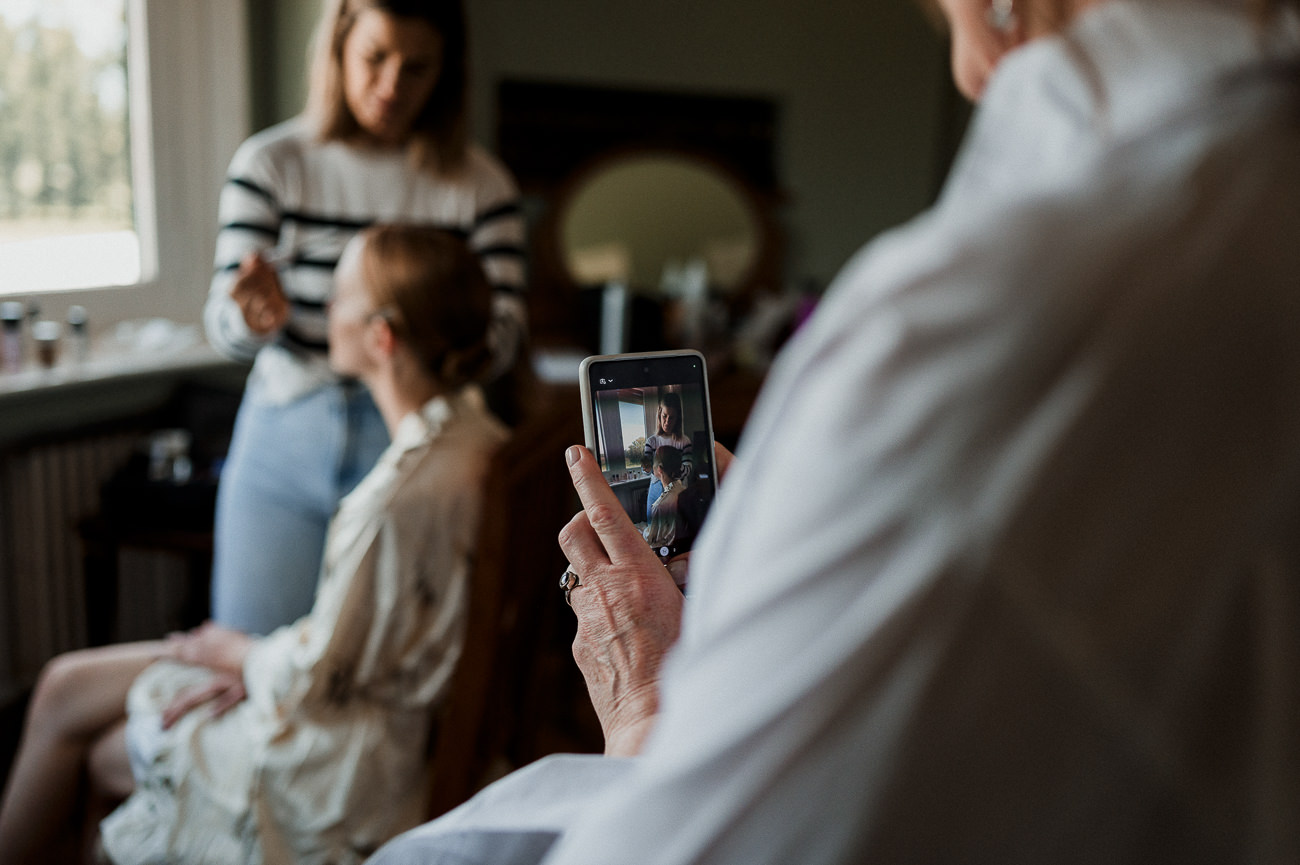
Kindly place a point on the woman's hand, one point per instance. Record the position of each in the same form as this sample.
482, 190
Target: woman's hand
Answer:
260, 297
224, 691
212, 646
219, 649
629, 609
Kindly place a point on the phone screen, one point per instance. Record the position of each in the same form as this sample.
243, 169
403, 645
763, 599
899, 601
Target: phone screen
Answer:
647, 421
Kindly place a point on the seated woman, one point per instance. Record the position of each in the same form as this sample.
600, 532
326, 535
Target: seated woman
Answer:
312, 747
663, 526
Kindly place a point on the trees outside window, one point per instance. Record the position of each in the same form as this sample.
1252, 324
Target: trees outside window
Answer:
67, 213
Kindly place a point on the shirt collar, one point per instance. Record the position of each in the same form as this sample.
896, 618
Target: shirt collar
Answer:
1146, 59
1132, 63
429, 421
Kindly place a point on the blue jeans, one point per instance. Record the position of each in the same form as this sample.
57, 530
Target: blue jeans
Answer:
288, 467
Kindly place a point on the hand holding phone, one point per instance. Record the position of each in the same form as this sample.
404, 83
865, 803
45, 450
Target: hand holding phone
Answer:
626, 627
646, 418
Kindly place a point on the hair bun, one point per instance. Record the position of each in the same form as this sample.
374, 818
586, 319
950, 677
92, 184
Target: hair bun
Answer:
464, 366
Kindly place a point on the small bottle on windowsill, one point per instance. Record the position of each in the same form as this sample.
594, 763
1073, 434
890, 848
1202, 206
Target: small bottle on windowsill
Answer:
12, 316
78, 334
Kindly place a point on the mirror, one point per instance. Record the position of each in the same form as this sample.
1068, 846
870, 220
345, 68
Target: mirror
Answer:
661, 223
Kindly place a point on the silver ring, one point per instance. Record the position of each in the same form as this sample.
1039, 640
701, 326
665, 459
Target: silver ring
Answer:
569, 581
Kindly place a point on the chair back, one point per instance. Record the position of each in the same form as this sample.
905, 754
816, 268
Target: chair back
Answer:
513, 597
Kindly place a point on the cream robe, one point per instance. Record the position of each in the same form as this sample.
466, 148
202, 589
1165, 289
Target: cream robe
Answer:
326, 758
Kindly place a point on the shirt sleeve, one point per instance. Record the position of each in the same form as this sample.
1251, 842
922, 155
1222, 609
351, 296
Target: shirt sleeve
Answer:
249, 218
994, 531
498, 236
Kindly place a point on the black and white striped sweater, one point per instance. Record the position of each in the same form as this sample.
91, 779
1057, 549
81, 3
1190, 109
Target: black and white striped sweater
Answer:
302, 200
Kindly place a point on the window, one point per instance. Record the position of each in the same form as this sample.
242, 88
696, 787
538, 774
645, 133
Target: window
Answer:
117, 119
66, 217
632, 414
621, 428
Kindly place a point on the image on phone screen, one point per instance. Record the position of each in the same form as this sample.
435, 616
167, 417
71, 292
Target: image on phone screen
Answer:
648, 424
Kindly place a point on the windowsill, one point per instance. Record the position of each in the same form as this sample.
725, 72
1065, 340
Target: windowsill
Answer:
70, 374
35, 402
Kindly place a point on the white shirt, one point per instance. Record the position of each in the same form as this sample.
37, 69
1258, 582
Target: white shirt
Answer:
1036, 597
325, 759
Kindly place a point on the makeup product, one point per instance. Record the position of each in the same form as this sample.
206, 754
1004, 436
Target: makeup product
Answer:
12, 315
78, 334
45, 334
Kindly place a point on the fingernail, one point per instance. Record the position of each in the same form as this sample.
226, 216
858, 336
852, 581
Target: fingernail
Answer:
572, 455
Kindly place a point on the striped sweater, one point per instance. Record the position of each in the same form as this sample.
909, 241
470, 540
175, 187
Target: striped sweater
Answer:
300, 201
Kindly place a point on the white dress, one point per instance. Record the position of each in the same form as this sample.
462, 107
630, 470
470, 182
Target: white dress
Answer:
1036, 596
326, 758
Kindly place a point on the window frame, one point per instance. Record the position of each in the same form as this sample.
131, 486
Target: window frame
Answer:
189, 112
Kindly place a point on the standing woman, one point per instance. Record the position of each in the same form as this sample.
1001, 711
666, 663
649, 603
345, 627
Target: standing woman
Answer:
383, 139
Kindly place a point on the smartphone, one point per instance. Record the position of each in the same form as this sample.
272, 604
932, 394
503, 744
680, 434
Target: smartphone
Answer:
646, 418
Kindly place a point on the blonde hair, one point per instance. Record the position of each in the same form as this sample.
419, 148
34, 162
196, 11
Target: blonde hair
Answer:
439, 133
432, 291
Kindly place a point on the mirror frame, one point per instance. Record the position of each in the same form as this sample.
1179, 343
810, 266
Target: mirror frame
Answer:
557, 291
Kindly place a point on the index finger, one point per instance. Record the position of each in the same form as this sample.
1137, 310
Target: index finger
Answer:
610, 521
228, 699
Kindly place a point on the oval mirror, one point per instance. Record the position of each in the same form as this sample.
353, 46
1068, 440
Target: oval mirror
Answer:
659, 222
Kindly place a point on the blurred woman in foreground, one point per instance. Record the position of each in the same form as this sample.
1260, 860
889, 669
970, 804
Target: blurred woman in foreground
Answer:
1035, 595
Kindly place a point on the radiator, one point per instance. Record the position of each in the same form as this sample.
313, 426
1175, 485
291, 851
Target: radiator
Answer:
45, 490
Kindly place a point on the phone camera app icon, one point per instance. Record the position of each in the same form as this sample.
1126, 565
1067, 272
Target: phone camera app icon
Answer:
663, 551
602, 381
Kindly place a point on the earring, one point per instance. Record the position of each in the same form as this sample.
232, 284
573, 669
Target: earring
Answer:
1002, 16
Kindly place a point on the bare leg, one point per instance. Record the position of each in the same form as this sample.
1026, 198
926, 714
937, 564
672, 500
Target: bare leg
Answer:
108, 771
108, 767
81, 696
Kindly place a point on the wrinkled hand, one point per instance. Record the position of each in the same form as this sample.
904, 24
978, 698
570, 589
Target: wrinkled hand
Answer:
629, 609
260, 297
210, 645
224, 691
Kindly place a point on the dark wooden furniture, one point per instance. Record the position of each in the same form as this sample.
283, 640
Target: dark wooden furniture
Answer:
556, 135
138, 513
516, 694
122, 523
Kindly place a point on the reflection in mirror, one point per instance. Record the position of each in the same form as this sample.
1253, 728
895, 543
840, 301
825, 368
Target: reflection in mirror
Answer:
660, 223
